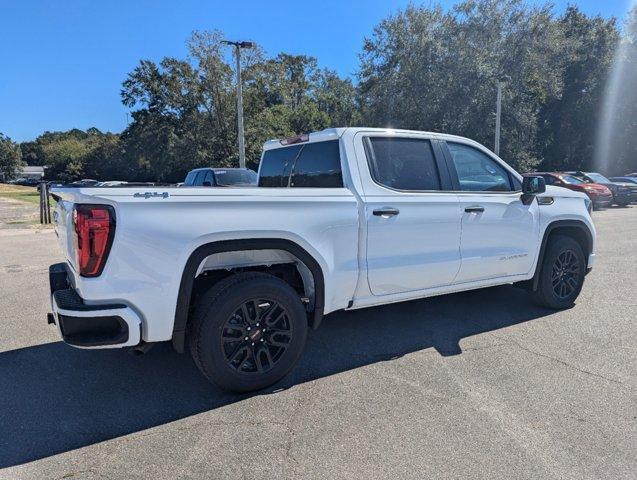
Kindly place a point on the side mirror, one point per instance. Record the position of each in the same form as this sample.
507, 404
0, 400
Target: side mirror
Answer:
533, 185
206, 184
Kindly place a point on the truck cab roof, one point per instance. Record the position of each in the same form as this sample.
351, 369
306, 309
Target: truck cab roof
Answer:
337, 132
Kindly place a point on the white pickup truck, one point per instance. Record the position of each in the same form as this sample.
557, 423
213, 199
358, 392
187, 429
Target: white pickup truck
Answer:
342, 219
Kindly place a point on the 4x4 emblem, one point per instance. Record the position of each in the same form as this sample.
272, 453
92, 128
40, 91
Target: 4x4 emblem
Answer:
151, 195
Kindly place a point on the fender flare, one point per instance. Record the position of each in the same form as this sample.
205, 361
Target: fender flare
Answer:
547, 232
203, 251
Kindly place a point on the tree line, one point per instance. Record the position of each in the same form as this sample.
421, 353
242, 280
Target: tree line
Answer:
423, 68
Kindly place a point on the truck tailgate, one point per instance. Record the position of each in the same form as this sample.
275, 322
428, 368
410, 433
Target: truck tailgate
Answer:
63, 225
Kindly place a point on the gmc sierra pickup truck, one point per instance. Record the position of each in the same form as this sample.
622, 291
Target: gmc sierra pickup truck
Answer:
344, 218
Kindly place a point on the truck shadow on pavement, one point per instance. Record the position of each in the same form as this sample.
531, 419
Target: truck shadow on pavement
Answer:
54, 398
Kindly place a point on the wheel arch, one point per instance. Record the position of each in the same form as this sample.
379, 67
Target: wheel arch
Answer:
222, 246
576, 229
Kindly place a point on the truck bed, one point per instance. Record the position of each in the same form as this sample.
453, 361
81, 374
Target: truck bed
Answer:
158, 228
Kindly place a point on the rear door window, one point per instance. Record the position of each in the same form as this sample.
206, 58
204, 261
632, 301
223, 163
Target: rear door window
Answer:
403, 163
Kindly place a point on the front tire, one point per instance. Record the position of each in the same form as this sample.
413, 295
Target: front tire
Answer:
248, 331
562, 274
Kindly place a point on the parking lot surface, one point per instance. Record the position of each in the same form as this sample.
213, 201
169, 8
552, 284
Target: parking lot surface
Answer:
482, 384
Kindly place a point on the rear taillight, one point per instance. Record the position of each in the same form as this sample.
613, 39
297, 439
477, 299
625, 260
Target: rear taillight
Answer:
94, 231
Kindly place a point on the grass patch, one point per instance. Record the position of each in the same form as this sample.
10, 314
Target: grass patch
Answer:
23, 222
28, 196
8, 188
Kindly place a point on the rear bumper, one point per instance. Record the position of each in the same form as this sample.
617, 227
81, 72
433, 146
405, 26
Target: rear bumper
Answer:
81, 325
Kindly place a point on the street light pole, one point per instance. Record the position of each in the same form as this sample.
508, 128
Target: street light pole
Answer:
498, 113
240, 135
242, 146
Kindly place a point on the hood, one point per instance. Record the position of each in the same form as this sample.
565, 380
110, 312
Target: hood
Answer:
597, 188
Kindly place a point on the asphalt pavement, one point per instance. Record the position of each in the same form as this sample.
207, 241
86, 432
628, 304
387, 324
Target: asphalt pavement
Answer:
482, 384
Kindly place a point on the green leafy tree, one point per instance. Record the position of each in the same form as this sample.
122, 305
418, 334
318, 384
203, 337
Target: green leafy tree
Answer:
428, 69
423, 68
65, 158
76, 154
185, 110
11, 162
616, 147
105, 160
569, 119
31, 153
336, 97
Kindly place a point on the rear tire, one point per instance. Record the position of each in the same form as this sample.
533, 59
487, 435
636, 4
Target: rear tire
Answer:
562, 273
248, 331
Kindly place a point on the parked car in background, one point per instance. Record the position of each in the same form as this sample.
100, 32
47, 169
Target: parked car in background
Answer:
25, 182
221, 177
624, 179
48, 183
85, 182
623, 192
111, 183
600, 195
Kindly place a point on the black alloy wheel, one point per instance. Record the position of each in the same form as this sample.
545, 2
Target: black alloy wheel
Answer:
256, 335
565, 274
248, 331
562, 272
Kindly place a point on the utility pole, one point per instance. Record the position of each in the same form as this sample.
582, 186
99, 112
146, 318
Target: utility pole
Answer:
242, 148
498, 113
501, 80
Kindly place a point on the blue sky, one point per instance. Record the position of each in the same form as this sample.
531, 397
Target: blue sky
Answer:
63, 62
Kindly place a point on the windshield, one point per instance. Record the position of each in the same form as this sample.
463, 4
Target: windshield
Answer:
571, 180
235, 177
597, 178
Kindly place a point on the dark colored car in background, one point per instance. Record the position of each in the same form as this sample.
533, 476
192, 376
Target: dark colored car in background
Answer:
25, 182
623, 192
221, 177
600, 195
624, 179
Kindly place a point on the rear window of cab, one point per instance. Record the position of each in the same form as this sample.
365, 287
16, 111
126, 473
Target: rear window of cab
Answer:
316, 165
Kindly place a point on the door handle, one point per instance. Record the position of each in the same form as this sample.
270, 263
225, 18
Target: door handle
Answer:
474, 209
386, 212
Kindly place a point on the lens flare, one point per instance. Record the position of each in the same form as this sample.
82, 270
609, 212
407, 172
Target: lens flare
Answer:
616, 142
